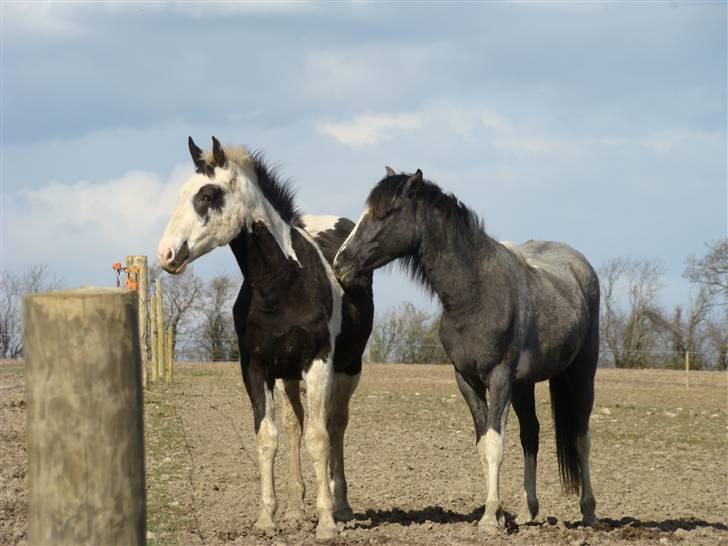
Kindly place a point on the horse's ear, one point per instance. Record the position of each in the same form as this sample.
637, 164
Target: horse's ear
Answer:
218, 154
412, 183
196, 154
390, 170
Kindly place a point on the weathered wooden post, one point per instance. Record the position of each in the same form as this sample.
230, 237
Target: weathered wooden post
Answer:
84, 418
687, 369
170, 354
153, 341
140, 264
161, 344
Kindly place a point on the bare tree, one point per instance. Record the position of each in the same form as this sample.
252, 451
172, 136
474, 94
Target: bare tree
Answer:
686, 329
717, 338
182, 294
627, 330
215, 337
406, 334
711, 271
37, 278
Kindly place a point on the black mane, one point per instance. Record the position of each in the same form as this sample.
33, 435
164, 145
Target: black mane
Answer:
279, 193
462, 219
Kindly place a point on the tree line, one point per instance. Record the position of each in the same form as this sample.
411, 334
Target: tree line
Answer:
636, 332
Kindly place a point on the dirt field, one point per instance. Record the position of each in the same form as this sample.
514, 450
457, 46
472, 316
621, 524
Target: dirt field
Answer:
659, 463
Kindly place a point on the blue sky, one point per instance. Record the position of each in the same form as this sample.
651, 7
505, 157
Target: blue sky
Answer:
602, 125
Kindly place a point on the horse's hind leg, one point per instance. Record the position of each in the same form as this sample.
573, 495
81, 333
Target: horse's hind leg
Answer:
293, 422
319, 379
343, 387
525, 407
580, 378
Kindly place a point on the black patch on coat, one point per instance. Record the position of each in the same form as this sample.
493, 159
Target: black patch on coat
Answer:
330, 240
209, 196
283, 310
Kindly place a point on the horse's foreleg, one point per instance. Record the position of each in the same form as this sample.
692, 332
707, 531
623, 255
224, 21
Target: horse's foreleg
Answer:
266, 436
293, 422
491, 445
319, 380
343, 388
524, 405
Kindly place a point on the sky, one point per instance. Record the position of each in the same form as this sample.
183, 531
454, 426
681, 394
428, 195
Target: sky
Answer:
601, 125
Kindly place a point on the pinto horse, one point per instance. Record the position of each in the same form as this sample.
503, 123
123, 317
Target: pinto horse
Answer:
511, 316
293, 319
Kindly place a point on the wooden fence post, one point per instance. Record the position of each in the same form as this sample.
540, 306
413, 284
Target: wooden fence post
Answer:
687, 369
84, 428
161, 345
153, 341
140, 263
170, 354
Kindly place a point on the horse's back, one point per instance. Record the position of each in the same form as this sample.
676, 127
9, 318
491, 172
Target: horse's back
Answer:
329, 233
563, 262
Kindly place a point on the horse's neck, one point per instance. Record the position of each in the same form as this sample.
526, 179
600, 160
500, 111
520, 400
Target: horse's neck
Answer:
262, 261
453, 261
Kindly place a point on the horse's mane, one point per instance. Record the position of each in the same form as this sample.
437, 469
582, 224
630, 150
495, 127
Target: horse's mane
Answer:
279, 193
461, 219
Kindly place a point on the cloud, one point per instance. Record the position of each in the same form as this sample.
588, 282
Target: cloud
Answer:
665, 141
370, 128
89, 222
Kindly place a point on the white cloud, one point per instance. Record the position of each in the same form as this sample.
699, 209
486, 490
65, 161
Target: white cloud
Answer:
41, 18
370, 128
84, 222
664, 142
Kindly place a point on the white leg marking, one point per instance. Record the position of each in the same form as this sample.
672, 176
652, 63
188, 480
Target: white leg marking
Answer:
319, 379
267, 445
344, 387
587, 503
318, 390
491, 450
293, 422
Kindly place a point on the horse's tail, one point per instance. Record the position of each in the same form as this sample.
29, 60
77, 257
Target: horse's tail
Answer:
565, 416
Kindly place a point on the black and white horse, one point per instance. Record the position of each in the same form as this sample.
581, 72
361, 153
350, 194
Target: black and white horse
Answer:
512, 316
293, 319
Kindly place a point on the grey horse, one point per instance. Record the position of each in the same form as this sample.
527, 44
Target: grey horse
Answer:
512, 316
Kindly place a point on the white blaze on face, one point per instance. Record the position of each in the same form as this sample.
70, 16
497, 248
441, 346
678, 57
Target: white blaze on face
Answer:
353, 232
243, 205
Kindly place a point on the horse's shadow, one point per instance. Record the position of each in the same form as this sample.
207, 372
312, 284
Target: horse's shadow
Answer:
436, 514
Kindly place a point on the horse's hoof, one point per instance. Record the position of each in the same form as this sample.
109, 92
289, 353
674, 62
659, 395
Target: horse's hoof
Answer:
524, 519
345, 513
590, 521
295, 518
267, 528
489, 528
326, 532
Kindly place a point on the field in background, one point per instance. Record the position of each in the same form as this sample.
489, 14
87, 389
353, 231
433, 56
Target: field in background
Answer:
659, 462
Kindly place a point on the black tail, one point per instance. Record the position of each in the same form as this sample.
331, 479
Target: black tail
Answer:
566, 424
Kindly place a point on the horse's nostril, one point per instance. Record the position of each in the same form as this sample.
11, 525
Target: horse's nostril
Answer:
170, 255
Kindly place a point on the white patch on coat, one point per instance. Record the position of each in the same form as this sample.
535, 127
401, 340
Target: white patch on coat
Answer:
318, 380
267, 445
244, 204
316, 224
353, 233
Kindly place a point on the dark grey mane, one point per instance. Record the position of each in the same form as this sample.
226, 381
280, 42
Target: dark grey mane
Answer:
279, 193
461, 219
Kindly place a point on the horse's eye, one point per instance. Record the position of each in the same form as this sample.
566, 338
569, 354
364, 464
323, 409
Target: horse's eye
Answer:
206, 198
